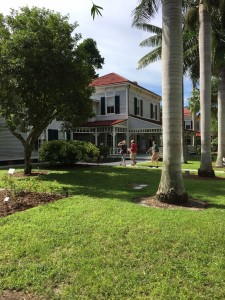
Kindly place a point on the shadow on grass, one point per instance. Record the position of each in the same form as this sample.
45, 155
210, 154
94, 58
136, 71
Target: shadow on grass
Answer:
120, 183
105, 181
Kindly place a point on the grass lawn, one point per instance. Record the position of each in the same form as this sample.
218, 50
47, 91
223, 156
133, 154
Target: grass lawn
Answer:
100, 244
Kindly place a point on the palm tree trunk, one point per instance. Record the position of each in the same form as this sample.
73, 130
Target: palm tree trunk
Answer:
205, 43
183, 139
221, 118
171, 187
194, 127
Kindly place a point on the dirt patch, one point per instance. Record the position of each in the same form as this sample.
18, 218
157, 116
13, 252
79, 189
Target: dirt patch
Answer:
33, 174
23, 201
192, 204
15, 295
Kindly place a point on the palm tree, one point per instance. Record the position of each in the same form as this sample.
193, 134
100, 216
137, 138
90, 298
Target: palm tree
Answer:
191, 65
171, 188
205, 50
219, 70
217, 9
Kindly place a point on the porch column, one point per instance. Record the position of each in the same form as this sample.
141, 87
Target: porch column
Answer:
114, 137
96, 137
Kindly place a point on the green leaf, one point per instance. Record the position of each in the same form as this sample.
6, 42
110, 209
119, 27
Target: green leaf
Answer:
95, 10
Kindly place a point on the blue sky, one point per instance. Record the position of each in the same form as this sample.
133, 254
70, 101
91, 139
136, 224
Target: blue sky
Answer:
117, 41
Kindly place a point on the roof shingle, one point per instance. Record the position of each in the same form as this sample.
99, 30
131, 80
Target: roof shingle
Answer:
111, 78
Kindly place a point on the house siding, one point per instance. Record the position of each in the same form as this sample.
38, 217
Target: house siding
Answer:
114, 93
10, 147
147, 100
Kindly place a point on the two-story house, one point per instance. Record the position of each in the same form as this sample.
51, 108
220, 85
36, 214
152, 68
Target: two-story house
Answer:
123, 110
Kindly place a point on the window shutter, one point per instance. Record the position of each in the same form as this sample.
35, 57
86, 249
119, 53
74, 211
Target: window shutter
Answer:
156, 112
117, 104
141, 108
135, 105
102, 105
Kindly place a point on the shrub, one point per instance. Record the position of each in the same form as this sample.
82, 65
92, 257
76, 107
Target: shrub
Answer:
68, 152
104, 151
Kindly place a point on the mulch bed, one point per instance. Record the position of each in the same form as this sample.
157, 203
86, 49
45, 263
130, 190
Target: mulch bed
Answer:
192, 204
24, 200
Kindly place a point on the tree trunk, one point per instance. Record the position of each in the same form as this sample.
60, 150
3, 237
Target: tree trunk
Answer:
27, 162
171, 188
221, 118
183, 141
194, 127
205, 43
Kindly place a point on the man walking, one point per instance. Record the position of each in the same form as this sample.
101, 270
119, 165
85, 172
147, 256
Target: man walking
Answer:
133, 152
155, 154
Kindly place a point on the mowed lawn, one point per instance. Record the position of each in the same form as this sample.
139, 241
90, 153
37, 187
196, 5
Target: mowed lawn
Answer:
101, 244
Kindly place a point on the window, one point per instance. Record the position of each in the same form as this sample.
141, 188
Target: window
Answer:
110, 105
187, 124
138, 107
53, 134
188, 141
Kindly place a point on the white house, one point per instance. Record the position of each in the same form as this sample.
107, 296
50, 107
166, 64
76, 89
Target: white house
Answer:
123, 110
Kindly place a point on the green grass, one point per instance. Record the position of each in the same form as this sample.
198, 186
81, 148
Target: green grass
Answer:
100, 244
193, 163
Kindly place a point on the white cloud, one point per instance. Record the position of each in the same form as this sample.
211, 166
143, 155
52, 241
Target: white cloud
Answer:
117, 41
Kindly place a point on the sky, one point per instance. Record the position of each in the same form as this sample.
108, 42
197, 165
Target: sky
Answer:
117, 41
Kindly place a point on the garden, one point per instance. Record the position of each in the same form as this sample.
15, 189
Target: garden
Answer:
95, 239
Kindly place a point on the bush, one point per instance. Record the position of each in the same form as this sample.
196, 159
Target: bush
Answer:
104, 151
68, 152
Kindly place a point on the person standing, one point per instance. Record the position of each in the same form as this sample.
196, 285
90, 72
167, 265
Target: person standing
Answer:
123, 152
155, 154
133, 152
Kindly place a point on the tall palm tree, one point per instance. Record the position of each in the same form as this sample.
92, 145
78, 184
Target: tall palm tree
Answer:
171, 188
219, 70
205, 50
191, 65
217, 10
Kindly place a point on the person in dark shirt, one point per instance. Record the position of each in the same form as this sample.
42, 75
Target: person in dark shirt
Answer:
123, 152
155, 154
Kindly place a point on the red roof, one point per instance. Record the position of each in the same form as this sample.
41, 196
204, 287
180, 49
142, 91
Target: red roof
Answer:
187, 112
102, 123
198, 133
108, 79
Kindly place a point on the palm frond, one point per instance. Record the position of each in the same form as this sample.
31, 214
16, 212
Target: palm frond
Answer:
149, 27
145, 11
149, 58
152, 41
